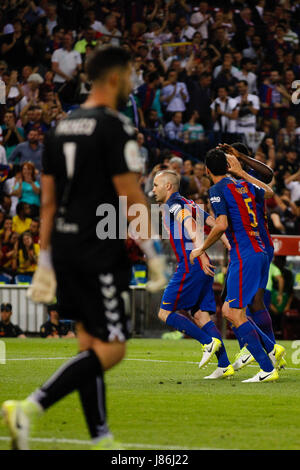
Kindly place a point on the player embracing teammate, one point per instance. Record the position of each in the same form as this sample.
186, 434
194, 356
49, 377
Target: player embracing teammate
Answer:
235, 202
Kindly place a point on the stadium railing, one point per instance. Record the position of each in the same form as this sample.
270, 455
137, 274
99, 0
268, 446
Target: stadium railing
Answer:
26, 314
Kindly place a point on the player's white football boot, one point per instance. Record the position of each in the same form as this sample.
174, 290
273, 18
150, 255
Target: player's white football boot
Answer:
18, 416
242, 359
209, 350
277, 356
221, 373
263, 376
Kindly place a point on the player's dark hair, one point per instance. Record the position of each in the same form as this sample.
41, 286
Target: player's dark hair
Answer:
105, 59
216, 162
241, 148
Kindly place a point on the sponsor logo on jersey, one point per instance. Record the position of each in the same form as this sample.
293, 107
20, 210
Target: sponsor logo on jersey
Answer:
215, 199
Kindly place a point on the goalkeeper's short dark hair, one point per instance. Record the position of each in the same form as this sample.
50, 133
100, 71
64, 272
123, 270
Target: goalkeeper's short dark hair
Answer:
105, 59
216, 162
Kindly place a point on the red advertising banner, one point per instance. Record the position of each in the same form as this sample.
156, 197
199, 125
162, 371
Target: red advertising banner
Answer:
286, 245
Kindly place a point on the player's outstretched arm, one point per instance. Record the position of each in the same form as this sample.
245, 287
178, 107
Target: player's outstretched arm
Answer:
264, 170
236, 169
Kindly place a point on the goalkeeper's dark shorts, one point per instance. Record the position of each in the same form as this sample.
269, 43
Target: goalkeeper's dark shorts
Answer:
98, 301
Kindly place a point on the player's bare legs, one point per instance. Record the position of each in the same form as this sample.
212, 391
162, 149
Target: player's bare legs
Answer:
109, 354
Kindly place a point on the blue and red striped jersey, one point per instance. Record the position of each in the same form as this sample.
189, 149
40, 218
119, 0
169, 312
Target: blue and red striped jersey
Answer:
178, 207
237, 199
263, 219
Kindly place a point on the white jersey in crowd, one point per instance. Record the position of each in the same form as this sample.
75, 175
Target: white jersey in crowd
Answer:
247, 123
227, 106
67, 62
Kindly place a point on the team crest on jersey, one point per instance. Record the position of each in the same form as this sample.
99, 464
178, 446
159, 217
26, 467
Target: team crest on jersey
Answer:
241, 190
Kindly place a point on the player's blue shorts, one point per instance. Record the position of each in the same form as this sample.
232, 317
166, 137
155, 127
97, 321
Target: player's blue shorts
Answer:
245, 277
189, 291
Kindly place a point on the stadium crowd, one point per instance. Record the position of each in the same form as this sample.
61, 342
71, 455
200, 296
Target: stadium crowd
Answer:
203, 73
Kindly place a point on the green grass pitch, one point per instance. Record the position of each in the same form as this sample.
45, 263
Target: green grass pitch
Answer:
158, 399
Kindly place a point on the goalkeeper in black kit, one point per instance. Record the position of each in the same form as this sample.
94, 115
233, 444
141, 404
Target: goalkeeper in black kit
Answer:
89, 161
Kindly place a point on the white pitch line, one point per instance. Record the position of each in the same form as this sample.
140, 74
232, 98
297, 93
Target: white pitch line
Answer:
48, 440
126, 359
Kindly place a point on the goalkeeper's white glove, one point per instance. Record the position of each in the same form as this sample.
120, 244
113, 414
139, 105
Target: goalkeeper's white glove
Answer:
157, 279
43, 287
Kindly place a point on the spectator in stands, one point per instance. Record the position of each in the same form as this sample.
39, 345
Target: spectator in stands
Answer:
14, 91
7, 329
32, 93
199, 88
193, 130
201, 19
292, 182
188, 168
109, 29
286, 166
35, 118
12, 134
146, 92
284, 215
199, 183
66, 63
176, 164
8, 248
29, 151
186, 31
246, 74
289, 136
28, 255
247, 106
174, 128
35, 230
225, 78
15, 46
28, 189
273, 98
224, 116
174, 95
88, 38
52, 19
54, 327
22, 220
